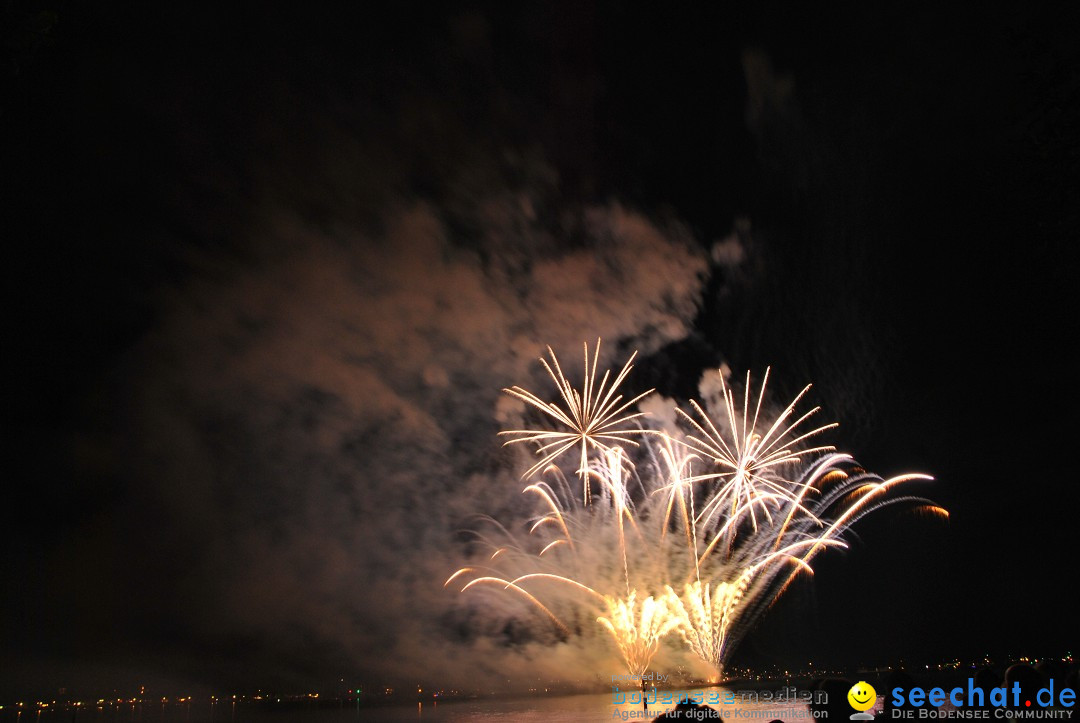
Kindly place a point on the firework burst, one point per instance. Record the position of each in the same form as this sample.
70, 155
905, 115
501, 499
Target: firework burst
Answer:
703, 614
637, 629
749, 463
696, 533
593, 420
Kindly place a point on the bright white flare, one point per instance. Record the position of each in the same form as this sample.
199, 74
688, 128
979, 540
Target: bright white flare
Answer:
637, 628
703, 614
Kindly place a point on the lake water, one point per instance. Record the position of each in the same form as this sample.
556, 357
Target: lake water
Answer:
590, 707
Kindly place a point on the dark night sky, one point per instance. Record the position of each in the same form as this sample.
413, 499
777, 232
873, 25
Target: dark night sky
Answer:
267, 270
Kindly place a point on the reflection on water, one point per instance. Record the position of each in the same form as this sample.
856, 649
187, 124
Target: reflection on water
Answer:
591, 707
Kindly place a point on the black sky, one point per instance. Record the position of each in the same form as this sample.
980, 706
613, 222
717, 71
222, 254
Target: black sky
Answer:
905, 181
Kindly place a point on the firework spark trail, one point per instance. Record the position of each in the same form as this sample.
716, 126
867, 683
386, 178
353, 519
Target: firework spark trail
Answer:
666, 548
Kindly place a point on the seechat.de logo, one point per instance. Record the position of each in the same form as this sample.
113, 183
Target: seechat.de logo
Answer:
862, 697
1052, 701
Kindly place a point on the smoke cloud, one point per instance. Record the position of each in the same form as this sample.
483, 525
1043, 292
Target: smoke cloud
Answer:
310, 423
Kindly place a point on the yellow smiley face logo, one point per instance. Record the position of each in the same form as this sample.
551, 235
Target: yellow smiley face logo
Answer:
862, 696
